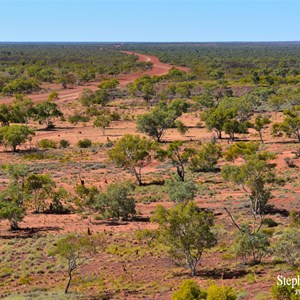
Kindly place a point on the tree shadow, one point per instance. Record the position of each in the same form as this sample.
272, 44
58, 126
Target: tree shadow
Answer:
141, 219
272, 210
121, 222
283, 142
56, 128
222, 273
28, 232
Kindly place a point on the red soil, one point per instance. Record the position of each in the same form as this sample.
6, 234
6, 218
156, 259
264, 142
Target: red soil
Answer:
68, 95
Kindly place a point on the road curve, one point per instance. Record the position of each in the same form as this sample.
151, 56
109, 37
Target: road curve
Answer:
69, 95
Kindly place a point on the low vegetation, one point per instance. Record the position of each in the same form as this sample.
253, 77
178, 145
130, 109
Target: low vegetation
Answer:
137, 184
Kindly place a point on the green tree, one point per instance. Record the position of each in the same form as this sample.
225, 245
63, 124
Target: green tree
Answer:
12, 206
177, 155
56, 206
103, 121
133, 153
216, 118
178, 106
234, 126
76, 250
66, 79
254, 177
186, 232
207, 98
5, 115
160, 118
144, 86
21, 85
181, 191
155, 123
241, 149
10, 210
260, 123
182, 129
109, 84
255, 78
21, 109
39, 186
287, 246
206, 159
15, 135
290, 125
253, 244
45, 112
87, 195
183, 89
116, 202
101, 97
86, 98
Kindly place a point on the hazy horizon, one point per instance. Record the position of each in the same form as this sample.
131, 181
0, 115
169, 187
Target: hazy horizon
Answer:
154, 42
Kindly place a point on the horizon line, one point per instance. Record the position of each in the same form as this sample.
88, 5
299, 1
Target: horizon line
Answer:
166, 42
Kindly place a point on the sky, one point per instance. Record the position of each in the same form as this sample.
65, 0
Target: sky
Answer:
149, 20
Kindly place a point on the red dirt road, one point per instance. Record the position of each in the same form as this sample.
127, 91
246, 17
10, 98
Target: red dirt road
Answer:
68, 95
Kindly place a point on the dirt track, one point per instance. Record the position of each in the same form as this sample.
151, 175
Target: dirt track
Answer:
68, 95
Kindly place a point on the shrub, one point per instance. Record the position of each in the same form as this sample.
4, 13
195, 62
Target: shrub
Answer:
86, 143
287, 246
284, 292
206, 159
115, 116
47, 143
116, 203
189, 290
186, 231
215, 292
15, 135
250, 244
181, 191
64, 144
21, 85
78, 118
294, 217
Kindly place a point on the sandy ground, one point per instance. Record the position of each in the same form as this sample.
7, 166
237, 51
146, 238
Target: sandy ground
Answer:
68, 95
69, 176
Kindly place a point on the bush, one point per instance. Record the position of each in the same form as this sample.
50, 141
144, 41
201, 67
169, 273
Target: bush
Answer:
294, 217
215, 292
64, 144
116, 203
206, 159
47, 143
86, 143
21, 85
250, 244
115, 116
287, 246
284, 292
189, 290
78, 118
181, 191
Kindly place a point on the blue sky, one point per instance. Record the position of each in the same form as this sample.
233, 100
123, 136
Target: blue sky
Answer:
149, 20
